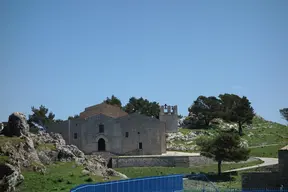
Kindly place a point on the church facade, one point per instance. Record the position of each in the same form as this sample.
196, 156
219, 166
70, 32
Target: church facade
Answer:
107, 128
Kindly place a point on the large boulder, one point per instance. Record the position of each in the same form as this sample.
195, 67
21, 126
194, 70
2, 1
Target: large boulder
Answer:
10, 177
17, 125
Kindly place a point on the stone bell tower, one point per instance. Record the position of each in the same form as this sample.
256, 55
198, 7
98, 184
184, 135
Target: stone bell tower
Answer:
169, 115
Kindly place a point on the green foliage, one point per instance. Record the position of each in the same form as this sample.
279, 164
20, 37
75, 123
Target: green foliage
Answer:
73, 117
237, 109
143, 106
58, 120
284, 113
41, 116
229, 107
224, 147
113, 101
206, 108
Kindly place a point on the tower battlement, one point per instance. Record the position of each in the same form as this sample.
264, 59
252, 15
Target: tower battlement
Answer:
169, 115
168, 109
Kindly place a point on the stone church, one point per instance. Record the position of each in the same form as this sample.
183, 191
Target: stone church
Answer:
108, 128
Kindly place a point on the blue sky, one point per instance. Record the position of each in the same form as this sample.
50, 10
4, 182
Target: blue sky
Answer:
68, 55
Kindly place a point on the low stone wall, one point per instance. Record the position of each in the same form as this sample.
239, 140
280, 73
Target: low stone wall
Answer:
160, 161
268, 168
261, 180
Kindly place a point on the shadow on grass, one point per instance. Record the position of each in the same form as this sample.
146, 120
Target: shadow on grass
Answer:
214, 177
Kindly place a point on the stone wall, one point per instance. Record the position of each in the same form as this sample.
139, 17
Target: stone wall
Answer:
123, 135
170, 117
160, 161
261, 180
269, 180
283, 162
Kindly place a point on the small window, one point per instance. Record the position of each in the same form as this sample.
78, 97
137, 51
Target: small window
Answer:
140, 145
75, 135
101, 128
138, 133
126, 134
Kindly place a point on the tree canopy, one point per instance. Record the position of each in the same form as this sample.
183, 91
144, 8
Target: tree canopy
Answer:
41, 116
73, 117
237, 109
226, 146
143, 106
206, 108
229, 107
284, 113
113, 101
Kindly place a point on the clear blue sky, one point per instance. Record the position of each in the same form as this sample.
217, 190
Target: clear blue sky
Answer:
68, 55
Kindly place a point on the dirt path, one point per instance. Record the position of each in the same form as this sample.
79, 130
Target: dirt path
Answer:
258, 146
266, 162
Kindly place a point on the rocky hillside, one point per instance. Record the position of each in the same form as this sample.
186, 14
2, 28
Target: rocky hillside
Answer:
23, 151
260, 133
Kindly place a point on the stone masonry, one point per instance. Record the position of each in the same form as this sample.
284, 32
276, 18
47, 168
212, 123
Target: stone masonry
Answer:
160, 161
271, 179
169, 115
107, 128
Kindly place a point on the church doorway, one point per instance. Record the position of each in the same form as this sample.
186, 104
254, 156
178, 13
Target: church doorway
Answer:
101, 145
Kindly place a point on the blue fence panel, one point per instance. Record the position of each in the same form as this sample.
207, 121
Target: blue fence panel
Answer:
170, 183
265, 190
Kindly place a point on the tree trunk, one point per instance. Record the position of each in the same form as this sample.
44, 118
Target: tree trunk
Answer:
207, 122
219, 167
240, 128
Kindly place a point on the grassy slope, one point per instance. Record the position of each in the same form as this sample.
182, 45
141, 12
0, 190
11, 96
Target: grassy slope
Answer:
133, 172
268, 136
266, 132
264, 139
59, 177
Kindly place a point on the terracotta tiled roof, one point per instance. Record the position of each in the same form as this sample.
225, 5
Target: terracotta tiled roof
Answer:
105, 109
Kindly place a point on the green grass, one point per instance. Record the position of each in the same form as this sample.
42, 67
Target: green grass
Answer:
267, 151
134, 172
184, 131
13, 140
4, 159
59, 177
46, 146
266, 133
224, 182
263, 133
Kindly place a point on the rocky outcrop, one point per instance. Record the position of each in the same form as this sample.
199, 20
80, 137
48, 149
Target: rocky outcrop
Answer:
34, 151
17, 125
21, 153
181, 142
10, 177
